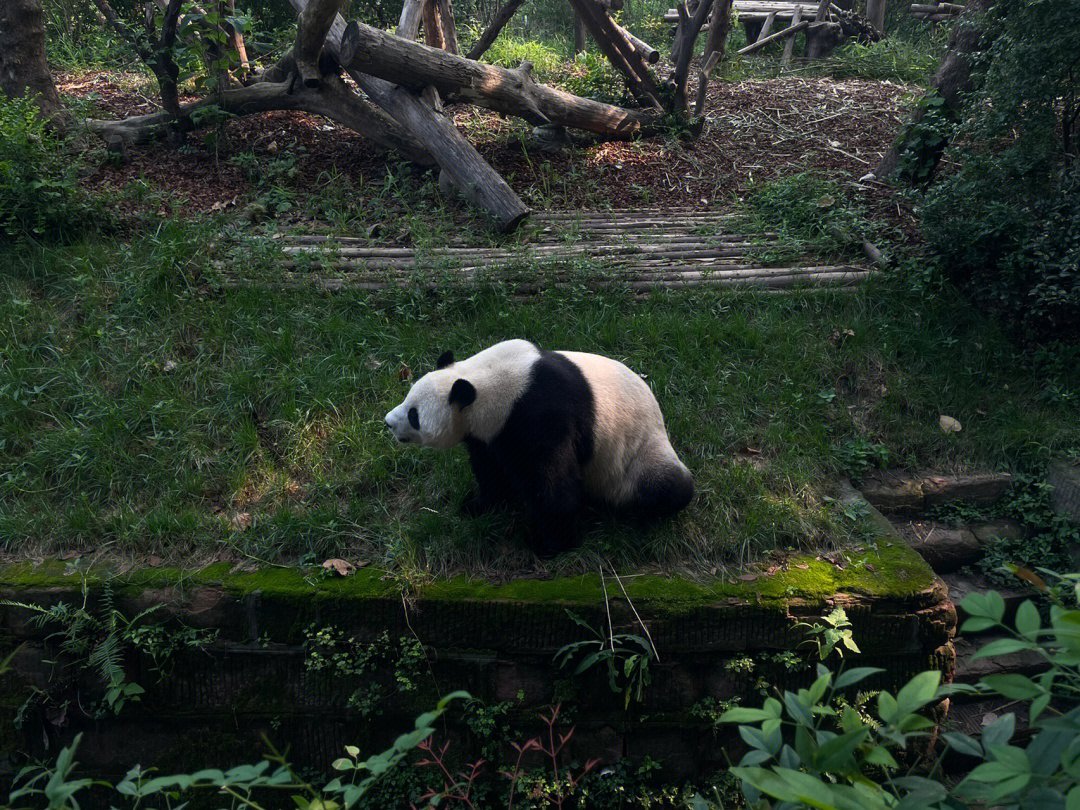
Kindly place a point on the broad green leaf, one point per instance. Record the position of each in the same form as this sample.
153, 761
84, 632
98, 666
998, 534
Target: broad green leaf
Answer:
798, 711
838, 753
854, 676
963, 744
341, 764
745, 715
887, 707
1013, 758
880, 756
773, 707
1028, 621
1000, 731
1072, 801
1043, 798
917, 692
818, 687
1009, 786
992, 772
1003, 646
1014, 686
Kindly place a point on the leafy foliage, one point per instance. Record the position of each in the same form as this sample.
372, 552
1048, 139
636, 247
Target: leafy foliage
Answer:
625, 656
39, 194
1005, 224
1049, 535
803, 753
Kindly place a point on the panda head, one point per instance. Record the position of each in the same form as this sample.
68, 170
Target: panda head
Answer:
431, 415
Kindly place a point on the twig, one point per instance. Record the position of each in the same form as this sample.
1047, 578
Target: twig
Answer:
607, 609
630, 602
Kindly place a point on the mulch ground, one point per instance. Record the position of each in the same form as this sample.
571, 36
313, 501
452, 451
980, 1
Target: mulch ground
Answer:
756, 130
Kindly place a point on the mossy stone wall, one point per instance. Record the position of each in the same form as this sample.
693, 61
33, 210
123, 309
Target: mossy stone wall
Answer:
209, 707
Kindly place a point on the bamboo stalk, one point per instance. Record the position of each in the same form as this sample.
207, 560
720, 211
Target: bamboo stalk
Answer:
790, 31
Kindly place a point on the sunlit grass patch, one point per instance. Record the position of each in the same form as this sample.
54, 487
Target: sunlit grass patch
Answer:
145, 407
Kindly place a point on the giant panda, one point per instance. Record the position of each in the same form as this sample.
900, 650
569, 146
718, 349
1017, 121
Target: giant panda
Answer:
550, 430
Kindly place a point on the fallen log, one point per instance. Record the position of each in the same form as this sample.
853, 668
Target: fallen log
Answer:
790, 31
942, 8
470, 174
617, 48
333, 100
648, 53
514, 92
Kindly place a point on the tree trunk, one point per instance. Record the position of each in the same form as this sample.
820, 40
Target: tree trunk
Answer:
715, 46
950, 81
513, 92
502, 17
23, 69
581, 34
875, 13
311, 30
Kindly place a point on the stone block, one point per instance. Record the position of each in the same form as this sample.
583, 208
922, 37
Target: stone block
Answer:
1064, 477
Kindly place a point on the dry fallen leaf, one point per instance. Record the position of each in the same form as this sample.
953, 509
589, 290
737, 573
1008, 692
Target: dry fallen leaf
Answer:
802, 566
405, 373
169, 367
154, 561
341, 566
948, 424
363, 564
70, 555
748, 577
241, 521
871, 568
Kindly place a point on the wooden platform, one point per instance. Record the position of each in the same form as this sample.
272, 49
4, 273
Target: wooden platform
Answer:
759, 10
640, 249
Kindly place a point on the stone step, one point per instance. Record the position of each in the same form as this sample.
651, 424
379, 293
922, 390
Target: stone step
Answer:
950, 548
897, 491
962, 584
970, 669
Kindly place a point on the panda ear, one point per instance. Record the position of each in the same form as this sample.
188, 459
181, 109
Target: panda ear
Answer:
445, 359
462, 394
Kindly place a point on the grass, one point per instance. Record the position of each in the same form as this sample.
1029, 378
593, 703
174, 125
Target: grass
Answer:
145, 408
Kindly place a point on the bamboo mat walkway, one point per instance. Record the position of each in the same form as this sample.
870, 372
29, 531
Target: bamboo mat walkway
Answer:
641, 249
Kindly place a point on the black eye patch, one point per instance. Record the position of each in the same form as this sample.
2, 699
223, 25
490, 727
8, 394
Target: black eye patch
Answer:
414, 419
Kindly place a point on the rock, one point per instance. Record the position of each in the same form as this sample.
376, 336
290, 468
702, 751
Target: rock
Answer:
960, 585
974, 488
970, 669
998, 530
550, 138
892, 491
943, 548
1064, 477
949, 425
254, 212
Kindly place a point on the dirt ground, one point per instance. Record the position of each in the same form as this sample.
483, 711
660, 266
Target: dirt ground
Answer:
755, 130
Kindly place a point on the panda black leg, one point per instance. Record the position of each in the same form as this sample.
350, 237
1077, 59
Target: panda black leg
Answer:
555, 505
490, 490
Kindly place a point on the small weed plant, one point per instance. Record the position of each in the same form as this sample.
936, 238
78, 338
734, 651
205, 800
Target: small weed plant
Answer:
625, 656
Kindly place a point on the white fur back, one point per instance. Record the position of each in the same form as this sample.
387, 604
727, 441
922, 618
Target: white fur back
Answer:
629, 438
501, 373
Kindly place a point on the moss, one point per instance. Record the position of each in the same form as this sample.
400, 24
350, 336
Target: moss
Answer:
890, 569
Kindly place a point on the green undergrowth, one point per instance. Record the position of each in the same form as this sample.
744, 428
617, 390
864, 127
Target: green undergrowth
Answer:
147, 407
885, 568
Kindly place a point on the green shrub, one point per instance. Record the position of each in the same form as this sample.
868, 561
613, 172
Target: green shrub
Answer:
38, 178
1005, 224
1013, 241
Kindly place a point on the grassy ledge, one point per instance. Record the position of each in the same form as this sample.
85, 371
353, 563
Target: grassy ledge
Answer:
888, 569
